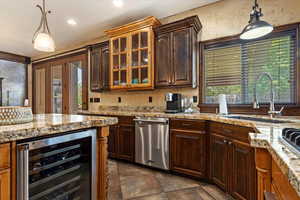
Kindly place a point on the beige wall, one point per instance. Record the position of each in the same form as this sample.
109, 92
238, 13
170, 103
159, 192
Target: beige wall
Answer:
224, 18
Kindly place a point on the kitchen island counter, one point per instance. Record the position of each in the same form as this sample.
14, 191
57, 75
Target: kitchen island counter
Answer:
47, 124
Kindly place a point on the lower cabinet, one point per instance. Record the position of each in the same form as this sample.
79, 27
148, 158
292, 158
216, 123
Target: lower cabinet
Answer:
5, 184
126, 143
219, 160
232, 166
121, 141
113, 141
188, 147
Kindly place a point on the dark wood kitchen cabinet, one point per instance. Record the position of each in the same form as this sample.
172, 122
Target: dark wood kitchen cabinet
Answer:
113, 141
121, 140
219, 160
99, 68
232, 160
176, 53
188, 147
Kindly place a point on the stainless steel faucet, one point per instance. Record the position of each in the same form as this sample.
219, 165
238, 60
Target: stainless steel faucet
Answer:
272, 112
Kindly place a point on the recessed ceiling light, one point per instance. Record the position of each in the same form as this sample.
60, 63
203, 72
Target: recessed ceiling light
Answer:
72, 22
118, 3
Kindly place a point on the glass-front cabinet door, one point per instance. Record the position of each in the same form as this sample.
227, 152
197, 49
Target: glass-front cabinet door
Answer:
131, 55
119, 74
57, 88
139, 65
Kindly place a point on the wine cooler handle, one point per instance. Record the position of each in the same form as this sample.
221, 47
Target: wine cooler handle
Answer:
23, 176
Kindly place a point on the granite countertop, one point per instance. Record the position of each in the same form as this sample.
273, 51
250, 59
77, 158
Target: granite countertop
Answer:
267, 136
46, 124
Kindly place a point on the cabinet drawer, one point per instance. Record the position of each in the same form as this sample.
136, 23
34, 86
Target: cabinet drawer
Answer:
125, 120
187, 124
4, 156
235, 132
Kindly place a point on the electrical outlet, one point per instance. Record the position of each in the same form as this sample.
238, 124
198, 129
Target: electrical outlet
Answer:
150, 99
195, 99
91, 100
97, 100
119, 99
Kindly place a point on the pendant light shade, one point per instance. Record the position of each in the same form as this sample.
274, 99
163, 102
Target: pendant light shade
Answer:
42, 40
256, 28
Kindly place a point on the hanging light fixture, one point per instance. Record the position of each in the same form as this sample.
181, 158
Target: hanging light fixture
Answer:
42, 39
256, 28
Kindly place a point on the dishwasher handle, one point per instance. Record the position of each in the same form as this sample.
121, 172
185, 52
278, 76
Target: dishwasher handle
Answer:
163, 121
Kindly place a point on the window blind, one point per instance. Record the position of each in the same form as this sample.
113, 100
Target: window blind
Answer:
233, 68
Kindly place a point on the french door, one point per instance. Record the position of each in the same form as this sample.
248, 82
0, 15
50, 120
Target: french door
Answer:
60, 86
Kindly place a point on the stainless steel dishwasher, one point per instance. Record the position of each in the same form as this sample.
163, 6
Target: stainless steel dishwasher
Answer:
152, 142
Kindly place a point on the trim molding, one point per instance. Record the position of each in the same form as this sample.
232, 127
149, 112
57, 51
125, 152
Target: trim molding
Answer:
14, 57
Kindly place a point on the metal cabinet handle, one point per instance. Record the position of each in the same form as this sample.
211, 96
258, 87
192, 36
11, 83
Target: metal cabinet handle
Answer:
186, 124
22, 173
188, 137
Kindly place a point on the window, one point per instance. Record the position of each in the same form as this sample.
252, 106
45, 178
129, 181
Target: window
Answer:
13, 83
232, 68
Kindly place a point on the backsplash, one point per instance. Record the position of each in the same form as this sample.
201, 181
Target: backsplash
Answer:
137, 99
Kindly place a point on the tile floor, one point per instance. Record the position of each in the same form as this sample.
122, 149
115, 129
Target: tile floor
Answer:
128, 181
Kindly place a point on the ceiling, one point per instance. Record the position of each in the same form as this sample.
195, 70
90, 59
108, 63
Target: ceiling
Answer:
20, 18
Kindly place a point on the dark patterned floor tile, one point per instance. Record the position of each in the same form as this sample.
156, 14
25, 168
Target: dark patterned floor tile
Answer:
171, 182
215, 192
187, 194
139, 185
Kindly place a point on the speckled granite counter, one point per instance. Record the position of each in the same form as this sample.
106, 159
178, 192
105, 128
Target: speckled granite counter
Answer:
267, 136
47, 124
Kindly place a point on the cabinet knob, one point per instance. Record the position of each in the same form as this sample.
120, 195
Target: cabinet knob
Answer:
230, 143
225, 141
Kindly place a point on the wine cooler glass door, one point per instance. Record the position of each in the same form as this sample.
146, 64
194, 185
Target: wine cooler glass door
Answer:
60, 168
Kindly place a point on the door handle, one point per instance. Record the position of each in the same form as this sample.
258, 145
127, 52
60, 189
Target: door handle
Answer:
22, 173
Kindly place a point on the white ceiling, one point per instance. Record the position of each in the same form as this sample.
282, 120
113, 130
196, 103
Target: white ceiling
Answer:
20, 18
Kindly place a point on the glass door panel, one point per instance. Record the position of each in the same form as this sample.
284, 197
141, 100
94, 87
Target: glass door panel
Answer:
116, 64
116, 46
116, 80
144, 57
123, 44
123, 60
135, 76
144, 39
76, 87
135, 41
123, 80
56, 85
135, 58
144, 75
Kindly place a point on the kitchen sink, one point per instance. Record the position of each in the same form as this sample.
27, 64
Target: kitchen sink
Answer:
257, 119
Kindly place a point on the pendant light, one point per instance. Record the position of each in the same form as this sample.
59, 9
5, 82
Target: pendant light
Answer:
256, 28
42, 39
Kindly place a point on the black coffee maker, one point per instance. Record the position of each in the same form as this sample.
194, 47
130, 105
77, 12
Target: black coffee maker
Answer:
174, 104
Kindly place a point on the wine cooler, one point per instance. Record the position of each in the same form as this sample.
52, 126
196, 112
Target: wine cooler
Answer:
58, 168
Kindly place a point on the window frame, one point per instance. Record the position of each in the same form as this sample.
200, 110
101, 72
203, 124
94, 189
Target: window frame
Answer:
291, 109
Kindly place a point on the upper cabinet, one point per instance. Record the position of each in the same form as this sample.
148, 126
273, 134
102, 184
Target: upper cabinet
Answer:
99, 67
176, 53
132, 55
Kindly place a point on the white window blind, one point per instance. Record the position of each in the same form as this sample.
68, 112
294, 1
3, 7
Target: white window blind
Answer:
232, 69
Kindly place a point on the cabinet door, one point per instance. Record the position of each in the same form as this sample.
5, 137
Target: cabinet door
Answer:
188, 152
126, 143
182, 57
113, 141
5, 184
104, 70
95, 70
39, 91
163, 61
243, 171
219, 160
